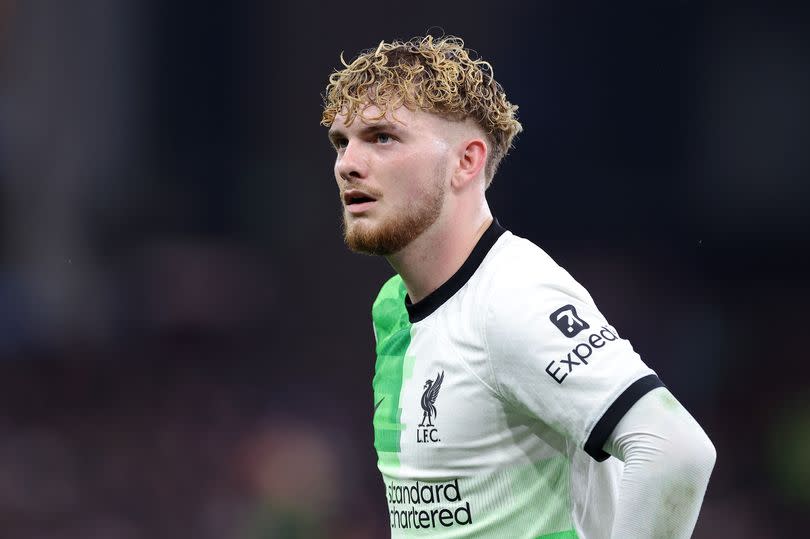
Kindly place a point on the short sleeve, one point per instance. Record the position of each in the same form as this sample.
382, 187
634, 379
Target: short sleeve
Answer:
556, 358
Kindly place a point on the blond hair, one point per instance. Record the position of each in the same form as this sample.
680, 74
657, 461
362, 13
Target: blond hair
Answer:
435, 75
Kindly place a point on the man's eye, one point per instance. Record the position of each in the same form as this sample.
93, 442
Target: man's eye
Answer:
340, 143
383, 138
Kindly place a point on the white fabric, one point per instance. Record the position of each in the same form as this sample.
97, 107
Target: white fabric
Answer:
519, 396
565, 381
667, 463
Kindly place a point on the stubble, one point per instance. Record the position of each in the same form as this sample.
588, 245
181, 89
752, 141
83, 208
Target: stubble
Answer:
397, 231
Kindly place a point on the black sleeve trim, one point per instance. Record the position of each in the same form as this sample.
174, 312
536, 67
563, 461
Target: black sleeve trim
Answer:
601, 431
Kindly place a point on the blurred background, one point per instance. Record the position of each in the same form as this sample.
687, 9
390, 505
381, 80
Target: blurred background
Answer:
185, 343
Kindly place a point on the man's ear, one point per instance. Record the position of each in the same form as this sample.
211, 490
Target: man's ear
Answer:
471, 162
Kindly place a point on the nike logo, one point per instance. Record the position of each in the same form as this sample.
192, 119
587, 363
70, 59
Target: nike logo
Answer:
379, 402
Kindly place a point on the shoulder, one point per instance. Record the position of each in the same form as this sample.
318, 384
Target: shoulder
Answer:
393, 288
522, 272
388, 311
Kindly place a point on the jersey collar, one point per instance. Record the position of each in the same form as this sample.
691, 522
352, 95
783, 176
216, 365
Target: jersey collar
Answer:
424, 308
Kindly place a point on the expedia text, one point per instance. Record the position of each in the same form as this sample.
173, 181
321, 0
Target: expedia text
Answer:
580, 354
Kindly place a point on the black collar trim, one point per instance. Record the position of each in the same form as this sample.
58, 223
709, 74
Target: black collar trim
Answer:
424, 308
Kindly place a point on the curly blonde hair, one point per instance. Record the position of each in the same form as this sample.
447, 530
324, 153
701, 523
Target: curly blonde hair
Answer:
435, 75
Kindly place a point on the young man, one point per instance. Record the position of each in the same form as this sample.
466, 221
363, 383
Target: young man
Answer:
500, 391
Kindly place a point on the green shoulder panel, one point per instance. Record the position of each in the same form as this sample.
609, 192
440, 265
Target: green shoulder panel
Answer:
388, 312
393, 331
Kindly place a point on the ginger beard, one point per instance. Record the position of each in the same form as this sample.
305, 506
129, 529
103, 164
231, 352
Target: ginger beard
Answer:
393, 232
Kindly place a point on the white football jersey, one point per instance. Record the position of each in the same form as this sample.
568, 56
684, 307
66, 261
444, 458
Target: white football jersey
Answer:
493, 397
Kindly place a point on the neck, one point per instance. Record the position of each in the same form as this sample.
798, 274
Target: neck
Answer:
432, 258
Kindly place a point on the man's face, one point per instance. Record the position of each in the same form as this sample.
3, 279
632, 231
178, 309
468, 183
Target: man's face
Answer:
392, 175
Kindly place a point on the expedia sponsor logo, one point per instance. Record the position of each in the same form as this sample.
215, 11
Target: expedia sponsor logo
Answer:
427, 505
568, 321
559, 370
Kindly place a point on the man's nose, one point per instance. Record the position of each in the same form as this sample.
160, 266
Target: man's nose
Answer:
352, 163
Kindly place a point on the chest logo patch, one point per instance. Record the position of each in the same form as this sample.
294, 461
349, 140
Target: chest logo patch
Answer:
427, 433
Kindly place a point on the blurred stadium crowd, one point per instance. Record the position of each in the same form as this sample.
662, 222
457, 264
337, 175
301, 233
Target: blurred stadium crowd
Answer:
168, 441
185, 344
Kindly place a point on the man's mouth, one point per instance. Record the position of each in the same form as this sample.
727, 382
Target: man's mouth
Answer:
357, 200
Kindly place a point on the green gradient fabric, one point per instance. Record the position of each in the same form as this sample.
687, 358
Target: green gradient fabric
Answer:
392, 330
